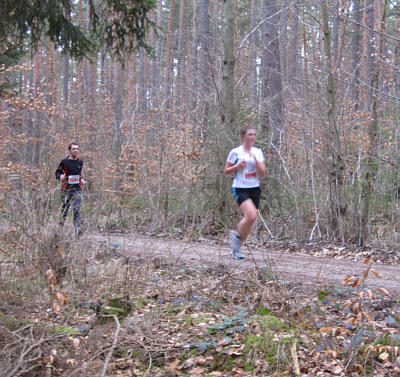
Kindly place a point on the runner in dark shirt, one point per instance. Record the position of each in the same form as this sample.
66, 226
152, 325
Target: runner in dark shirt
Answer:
69, 173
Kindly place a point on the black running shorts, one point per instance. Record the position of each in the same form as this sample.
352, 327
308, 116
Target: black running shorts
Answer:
242, 194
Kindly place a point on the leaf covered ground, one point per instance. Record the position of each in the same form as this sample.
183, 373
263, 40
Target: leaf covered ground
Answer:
92, 309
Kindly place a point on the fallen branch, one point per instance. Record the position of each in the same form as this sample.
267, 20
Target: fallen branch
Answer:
107, 361
296, 368
22, 357
150, 358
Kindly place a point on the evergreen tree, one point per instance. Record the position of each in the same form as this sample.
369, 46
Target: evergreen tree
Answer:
120, 24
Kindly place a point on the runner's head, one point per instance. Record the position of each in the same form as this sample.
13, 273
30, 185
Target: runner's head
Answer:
248, 135
73, 150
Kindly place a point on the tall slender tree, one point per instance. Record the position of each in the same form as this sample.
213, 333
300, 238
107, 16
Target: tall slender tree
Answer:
272, 95
336, 168
372, 148
205, 64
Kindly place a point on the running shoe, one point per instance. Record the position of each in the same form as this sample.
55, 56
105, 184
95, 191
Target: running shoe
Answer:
237, 254
235, 245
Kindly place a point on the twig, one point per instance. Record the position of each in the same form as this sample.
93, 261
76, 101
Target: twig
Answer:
149, 353
107, 361
296, 368
5, 329
265, 225
22, 356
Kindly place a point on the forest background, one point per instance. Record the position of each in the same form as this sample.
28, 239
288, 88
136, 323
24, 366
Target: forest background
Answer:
319, 80
155, 93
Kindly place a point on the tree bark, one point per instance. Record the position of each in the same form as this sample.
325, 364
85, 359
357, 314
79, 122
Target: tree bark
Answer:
205, 66
194, 55
283, 39
336, 184
66, 78
253, 54
169, 62
143, 83
117, 124
180, 55
335, 33
370, 43
228, 107
156, 63
293, 48
272, 93
355, 54
372, 152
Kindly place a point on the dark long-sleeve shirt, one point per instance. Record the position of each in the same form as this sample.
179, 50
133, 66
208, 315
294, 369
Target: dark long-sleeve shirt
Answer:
72, 170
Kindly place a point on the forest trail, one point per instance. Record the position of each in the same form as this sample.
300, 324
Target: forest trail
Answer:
306, 269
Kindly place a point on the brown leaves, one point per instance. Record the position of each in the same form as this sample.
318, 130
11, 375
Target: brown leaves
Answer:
48, 275
371, 294
194, 363
50, 358
351, 280
196, 371
60, 298
384, 291
382, 351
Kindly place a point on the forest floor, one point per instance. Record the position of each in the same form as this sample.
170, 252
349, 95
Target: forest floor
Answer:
132, 305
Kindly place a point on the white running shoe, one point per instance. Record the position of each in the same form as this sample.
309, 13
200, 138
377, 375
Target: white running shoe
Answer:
235, 245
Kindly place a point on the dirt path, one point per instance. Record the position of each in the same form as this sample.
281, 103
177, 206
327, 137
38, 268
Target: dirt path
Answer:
291, 267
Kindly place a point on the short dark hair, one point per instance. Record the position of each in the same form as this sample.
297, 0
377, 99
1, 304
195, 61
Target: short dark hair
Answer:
70, 146
244, 130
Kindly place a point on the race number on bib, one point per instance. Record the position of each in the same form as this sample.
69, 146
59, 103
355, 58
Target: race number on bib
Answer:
73, 179
250, 174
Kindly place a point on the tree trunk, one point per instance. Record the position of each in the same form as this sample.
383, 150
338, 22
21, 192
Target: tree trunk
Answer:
143, 83
205, 66
228, 107
169, 63
117, 125
194, 56
66, 78
156, 63
293, 49
336, 184
335, 33
283, 40
180, 55
253, 53
370, 43
355, 53
371, 160
272, 95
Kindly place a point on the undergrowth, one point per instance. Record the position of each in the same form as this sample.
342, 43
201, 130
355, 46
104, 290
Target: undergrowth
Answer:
82, 307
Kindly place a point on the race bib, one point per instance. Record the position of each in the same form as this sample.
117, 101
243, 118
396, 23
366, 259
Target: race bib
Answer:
73, 179
250, 174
